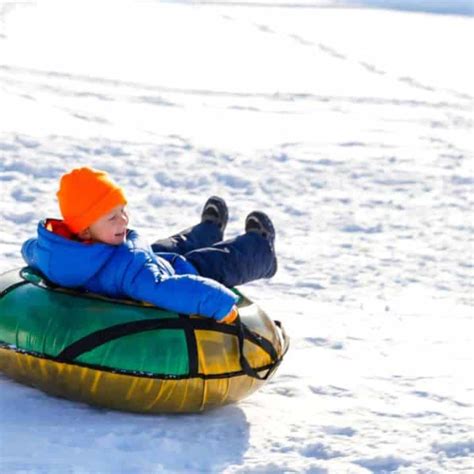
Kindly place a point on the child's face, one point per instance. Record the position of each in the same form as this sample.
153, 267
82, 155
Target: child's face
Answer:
110, 229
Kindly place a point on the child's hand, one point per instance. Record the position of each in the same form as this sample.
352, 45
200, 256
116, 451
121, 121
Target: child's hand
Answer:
230, 317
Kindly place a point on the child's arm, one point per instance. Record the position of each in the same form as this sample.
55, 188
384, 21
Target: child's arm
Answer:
189, 294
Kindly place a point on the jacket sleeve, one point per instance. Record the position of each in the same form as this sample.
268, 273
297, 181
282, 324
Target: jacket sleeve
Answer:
188, 294
179, 263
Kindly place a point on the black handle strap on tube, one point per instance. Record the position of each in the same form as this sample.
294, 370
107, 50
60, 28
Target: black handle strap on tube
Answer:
239, 329
244, 333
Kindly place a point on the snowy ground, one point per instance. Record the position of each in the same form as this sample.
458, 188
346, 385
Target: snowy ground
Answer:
352, 128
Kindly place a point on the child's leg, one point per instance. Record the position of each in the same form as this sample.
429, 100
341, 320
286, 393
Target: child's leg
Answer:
234, 262
209, 231
204, 234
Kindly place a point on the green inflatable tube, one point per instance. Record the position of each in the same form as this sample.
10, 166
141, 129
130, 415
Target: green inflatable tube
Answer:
128, 355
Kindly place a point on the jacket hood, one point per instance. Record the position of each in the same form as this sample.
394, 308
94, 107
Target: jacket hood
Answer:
70, 262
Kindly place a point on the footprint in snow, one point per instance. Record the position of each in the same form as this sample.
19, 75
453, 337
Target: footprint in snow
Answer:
354, 228
8, 147
155, 100
438, 398
352, 144
321, 342
27, 142
331, 51
264, 28
301, 40
319, 451
331, 391
24, 218
340, 430
455, 449
289, 392
88, 118
21, 195
372, 68
383, 464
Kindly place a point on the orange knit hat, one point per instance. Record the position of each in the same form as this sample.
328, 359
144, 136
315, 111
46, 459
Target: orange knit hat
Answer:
86, 194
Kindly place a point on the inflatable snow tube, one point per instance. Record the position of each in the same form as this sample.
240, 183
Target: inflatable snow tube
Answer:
125, 355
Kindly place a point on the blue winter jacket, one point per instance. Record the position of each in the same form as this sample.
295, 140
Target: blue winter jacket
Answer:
127, 270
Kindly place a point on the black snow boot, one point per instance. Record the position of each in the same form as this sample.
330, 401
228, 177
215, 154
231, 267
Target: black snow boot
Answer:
215, 210
260, 223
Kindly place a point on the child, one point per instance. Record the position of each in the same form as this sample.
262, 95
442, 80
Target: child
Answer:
190, 272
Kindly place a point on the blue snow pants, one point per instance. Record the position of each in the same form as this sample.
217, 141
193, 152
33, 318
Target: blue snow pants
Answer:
243, 259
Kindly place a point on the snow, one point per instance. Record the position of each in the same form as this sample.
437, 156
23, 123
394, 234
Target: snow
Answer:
352, 128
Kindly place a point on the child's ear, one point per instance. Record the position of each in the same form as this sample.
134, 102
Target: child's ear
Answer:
85, 234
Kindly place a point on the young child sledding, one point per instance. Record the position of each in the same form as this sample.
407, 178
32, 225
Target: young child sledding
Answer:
191, 272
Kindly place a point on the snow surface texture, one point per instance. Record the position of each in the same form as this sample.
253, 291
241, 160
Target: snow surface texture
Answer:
352, 128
